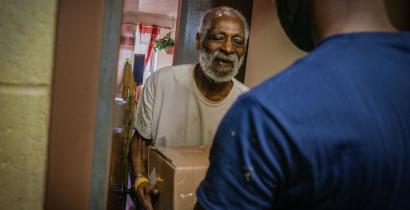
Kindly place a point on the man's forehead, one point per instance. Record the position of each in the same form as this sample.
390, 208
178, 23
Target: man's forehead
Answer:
218, 18
223, 14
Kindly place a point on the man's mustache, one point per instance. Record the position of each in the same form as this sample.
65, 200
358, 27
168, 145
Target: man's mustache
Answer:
220, 55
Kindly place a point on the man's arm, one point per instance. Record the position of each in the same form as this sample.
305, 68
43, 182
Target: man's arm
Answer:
138, 156
138, 148
142, 137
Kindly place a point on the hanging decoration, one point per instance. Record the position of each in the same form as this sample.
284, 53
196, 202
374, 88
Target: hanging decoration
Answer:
164, 43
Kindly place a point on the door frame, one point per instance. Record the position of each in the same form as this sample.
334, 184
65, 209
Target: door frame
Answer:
87, 43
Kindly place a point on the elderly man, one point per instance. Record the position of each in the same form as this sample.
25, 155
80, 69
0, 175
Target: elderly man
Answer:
332, 131
183, 105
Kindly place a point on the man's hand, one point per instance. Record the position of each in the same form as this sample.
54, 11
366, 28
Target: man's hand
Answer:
145, 193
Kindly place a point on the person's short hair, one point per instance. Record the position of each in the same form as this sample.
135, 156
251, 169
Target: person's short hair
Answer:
207, 20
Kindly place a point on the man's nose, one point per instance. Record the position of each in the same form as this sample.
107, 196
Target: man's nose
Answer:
227, 47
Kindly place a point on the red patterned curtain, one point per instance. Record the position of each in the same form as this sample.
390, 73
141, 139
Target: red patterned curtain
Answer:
153, 32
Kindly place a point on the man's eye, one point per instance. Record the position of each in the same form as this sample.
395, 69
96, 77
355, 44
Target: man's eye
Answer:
238, 42
217, 38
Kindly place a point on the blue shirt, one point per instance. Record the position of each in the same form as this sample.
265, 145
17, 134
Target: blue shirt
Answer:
330, 132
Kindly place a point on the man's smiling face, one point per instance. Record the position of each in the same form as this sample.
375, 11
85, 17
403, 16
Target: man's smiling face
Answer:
223, 48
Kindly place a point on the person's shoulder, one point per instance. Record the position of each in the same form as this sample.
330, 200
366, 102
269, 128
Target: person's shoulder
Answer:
306, 71
292, 85
247, 101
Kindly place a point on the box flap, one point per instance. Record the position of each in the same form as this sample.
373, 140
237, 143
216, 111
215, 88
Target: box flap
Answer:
186, 156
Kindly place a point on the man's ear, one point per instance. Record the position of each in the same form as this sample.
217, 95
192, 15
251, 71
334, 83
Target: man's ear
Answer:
198, 41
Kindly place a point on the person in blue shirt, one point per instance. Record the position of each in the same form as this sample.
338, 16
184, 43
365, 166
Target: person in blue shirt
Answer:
332, 131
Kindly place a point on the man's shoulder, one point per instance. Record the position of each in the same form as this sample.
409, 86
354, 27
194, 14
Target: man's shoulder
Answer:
171, 74
171, 78
240, 86
292, 90
175, 70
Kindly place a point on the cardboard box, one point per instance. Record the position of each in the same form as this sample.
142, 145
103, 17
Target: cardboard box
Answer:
177, 171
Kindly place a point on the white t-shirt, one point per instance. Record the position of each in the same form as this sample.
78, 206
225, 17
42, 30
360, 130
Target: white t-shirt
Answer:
173, 112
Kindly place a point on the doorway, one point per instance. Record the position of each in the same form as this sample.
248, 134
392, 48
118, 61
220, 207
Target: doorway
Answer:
146, 45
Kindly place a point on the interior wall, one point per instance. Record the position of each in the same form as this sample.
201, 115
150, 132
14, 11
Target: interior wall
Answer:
27, 31
269, 49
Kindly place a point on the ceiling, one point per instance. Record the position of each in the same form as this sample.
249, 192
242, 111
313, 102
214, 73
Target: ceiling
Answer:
159, 7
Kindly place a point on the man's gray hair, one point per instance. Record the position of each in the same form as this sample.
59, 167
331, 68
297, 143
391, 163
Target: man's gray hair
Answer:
207, 18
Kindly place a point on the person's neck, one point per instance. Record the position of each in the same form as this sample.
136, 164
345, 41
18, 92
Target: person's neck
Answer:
213, 91
348, 16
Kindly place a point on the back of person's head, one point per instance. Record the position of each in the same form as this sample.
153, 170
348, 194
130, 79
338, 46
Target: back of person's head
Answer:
307, 22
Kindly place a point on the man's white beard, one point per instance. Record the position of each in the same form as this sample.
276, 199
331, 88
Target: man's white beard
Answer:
215, 73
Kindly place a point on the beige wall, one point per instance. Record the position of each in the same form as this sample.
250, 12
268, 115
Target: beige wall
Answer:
27, 40
269, 49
